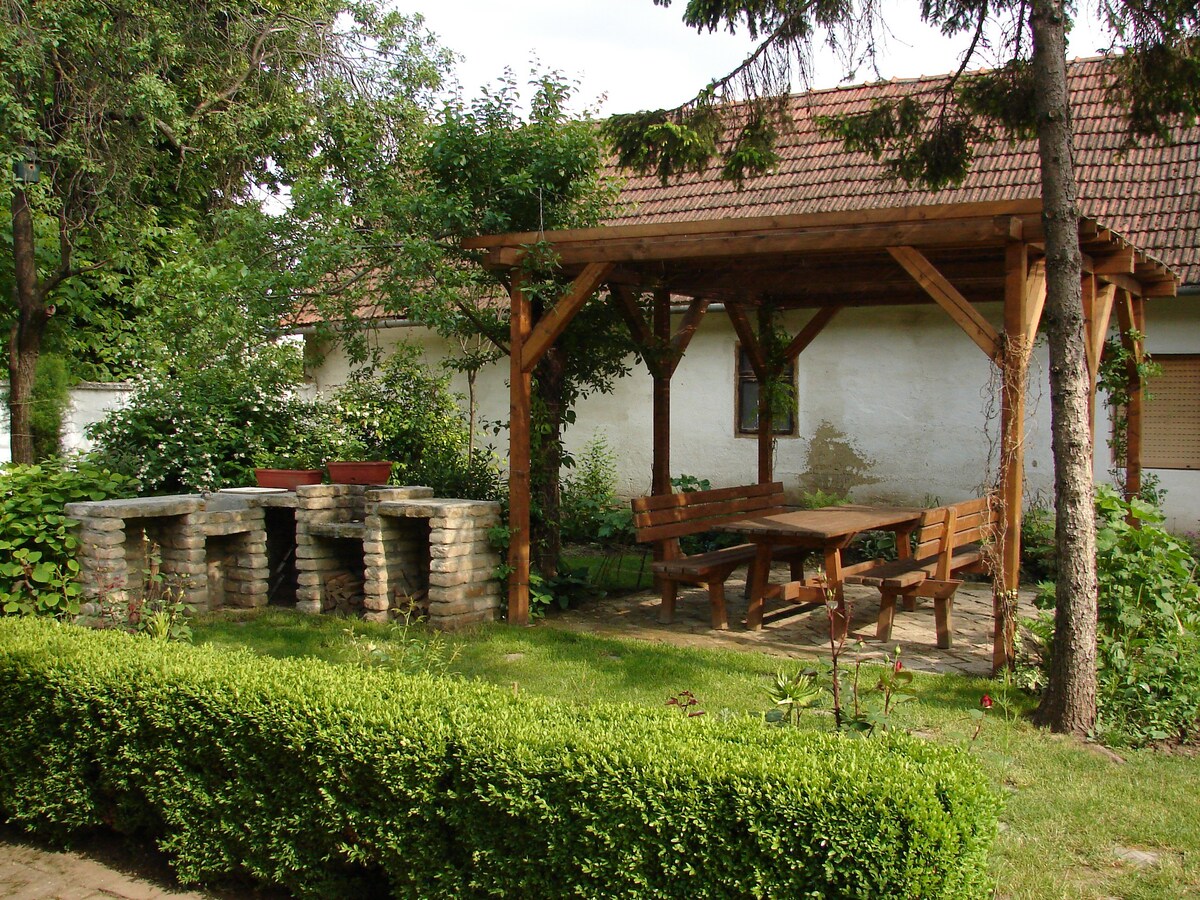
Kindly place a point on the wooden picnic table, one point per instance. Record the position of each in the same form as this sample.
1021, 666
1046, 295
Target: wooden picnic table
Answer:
828, 531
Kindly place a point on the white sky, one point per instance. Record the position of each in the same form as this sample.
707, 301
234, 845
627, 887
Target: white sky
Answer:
642, 56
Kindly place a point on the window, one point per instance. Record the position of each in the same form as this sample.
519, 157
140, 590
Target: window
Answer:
747, 399
1171, 417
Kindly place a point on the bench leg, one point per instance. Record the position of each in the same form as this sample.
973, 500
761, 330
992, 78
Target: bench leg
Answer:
910, 602
942, 607
666, 611
716, 603
887, 611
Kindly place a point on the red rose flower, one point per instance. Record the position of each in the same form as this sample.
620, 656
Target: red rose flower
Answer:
985, 701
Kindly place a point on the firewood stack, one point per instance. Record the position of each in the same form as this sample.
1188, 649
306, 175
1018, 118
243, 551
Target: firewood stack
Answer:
343, 593
412, 606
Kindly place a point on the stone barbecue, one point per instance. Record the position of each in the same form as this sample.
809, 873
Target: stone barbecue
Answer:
378, 552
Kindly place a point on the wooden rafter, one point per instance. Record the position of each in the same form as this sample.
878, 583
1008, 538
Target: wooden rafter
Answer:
626, 303
1035, 291
687, 329
812, 328
556, 320
969, 319
745, 333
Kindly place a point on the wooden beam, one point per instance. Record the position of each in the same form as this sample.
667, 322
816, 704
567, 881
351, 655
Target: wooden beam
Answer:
1035, 292
1131, 317
745, 333
556, 320
1127, 318
635, 321
814, 326
520, 414
668, 246
969, 319
766, 419
1102, 309
933, 213
687, 329
1119, 262
661, 475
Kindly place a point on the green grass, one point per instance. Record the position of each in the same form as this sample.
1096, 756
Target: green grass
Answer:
1068, 807
620, 570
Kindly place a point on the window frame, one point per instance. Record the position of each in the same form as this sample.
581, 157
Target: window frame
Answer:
743, 375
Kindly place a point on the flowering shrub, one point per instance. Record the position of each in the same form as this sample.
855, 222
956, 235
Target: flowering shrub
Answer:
202, 427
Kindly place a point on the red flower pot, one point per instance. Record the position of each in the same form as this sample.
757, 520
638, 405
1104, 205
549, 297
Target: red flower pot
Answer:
359, 472
288, 479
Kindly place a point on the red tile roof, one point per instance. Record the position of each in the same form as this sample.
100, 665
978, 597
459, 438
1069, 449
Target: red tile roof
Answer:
1149, 193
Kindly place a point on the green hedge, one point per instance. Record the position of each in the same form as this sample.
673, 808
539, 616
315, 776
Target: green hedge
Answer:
333, 781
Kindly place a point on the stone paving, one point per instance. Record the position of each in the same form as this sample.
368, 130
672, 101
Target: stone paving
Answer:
807, 634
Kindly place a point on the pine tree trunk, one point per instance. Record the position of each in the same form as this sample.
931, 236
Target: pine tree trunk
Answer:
25, 337
1069, 704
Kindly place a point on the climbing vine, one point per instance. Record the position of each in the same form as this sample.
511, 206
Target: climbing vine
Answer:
1116, 363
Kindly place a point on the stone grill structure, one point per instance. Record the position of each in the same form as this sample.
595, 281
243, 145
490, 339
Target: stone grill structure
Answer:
382, 552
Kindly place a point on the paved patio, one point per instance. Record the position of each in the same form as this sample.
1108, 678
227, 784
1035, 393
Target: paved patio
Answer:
807, 634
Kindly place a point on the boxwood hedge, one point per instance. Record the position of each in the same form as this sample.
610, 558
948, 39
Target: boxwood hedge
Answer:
334, 781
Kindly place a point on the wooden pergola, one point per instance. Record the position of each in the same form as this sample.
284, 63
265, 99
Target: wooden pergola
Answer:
957, 256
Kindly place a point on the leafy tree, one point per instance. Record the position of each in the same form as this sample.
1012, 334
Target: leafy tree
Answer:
1158, 80
493, 170
142, 116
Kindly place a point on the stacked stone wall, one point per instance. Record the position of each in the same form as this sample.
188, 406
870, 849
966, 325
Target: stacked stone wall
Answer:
401, 549
318, 556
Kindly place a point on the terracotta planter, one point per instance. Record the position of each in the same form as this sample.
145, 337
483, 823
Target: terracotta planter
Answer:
288, 479
359, 472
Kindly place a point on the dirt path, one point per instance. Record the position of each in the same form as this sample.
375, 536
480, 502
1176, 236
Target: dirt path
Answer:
101, 867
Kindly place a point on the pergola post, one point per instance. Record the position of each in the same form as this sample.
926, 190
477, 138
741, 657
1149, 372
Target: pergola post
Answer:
520, 412
766, 418
1131, 313
661, 369
1014, 364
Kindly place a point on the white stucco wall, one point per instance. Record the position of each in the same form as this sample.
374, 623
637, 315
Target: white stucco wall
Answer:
90, 402
904, 385
913, 397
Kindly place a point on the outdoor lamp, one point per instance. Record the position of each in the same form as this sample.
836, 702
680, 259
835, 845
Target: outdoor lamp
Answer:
25, 167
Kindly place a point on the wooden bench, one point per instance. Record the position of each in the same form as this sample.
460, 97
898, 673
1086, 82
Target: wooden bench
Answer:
951, 541
666, 518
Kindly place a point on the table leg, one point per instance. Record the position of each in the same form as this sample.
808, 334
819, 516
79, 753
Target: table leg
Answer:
833, 579
758, 576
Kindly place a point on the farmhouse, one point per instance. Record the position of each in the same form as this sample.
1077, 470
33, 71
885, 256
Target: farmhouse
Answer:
894, 401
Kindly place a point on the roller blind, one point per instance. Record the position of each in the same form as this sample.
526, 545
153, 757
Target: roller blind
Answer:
1171, 418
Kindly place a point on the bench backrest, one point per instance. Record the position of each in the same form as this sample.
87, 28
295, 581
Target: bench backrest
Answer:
665, 517
931, 532
969, 522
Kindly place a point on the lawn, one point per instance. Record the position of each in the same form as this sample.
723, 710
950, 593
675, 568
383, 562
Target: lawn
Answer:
1070, 809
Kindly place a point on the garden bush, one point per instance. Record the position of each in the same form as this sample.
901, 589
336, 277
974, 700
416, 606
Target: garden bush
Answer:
340, 781
37, 546
1148, 658
591, 511
203, 427
403, 412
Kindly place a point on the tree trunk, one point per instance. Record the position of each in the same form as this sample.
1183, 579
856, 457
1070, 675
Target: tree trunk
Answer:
546, 530
25, 337
1069, 704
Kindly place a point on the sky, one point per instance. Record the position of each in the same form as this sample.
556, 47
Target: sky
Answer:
631, 54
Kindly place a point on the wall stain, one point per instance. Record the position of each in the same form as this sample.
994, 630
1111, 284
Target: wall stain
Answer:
835, 465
